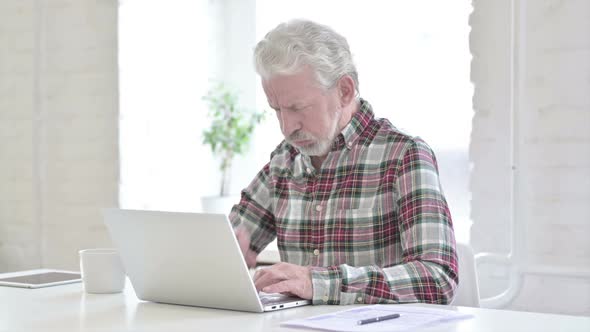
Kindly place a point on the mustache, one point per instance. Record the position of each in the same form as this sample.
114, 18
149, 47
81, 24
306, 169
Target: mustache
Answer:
300, 136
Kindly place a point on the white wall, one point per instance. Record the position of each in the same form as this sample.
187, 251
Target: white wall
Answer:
58, 129
538, 66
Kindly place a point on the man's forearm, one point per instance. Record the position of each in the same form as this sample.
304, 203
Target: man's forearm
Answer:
411, 282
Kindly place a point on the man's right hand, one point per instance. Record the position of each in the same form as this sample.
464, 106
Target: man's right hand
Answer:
243, 237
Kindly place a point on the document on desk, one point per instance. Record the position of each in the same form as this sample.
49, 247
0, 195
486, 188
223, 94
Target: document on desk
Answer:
410, 317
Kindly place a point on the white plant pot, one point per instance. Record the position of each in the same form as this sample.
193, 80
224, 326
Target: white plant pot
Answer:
219, 204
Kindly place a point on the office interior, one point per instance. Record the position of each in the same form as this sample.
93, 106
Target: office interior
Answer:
101, 106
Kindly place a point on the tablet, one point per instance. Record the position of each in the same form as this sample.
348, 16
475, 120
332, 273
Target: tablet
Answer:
39, 278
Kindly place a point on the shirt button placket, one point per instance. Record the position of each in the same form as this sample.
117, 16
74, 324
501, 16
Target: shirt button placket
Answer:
312, 258
316, 252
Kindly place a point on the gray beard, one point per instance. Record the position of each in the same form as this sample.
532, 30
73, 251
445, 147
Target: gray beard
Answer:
317, 149
322, 147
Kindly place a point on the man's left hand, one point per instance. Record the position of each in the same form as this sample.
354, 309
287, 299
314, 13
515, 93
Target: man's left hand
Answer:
285, 278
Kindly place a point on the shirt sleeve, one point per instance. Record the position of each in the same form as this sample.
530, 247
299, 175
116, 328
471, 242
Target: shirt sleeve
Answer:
254, 211
429, 270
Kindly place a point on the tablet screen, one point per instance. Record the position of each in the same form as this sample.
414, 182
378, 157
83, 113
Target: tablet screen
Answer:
42, 278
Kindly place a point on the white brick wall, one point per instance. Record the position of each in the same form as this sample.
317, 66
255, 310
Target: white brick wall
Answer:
18, 230
58, 129
553, 135
490, 132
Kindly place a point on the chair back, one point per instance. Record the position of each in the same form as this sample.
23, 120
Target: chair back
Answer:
467, 294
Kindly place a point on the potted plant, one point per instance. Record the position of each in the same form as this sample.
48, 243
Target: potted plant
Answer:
228, 135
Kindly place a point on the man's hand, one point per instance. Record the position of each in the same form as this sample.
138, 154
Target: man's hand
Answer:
285, 278
244, 240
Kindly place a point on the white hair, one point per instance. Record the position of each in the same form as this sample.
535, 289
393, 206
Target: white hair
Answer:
290, 46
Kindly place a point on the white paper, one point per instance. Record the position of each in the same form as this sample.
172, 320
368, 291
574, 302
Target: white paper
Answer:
346, 321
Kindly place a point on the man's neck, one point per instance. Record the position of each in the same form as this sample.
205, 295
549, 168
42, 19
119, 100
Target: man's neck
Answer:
317, 161
348, 113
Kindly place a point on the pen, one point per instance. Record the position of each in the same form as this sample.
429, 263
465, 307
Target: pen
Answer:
377, 319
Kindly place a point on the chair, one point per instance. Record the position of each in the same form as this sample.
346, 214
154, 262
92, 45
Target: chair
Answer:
467, 294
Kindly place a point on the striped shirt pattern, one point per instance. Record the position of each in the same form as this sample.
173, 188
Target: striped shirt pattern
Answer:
373, 222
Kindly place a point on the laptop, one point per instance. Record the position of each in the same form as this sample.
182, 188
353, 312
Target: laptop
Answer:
188, 259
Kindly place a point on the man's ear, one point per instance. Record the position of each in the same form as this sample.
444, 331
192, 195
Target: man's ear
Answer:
346, 89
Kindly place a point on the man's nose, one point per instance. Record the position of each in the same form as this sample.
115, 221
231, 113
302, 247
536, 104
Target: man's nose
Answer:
289, 123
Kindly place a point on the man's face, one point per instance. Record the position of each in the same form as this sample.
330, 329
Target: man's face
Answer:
308, 114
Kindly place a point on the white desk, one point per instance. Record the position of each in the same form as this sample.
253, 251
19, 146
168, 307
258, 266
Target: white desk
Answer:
68, 308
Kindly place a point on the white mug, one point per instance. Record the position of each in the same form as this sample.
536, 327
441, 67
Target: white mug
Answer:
102, 271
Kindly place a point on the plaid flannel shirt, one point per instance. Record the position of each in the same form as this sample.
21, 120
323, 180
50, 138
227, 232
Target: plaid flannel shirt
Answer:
372, 222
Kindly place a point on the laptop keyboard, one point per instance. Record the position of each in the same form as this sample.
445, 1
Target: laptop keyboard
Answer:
272, 298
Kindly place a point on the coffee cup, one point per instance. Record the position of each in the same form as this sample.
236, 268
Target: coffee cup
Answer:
102, 271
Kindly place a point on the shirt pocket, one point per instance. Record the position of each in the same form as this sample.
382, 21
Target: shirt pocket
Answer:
355, 236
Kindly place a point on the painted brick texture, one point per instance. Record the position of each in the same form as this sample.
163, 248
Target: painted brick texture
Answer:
58, 129
553, 145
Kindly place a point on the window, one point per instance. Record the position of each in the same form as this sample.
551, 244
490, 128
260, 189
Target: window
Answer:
413, 60
163, 74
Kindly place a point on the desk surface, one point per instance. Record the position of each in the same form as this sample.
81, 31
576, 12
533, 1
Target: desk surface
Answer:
68, 308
